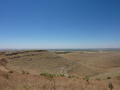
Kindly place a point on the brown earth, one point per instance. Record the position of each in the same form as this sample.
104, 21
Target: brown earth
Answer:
16, 81
101, 67
103, 64
39, 62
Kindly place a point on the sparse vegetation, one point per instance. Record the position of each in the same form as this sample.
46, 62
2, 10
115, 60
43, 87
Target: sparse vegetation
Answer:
53, 75
62, 75
57, 75
48, 75
30, 64
23, 72
71, 76
110, 86
86, 78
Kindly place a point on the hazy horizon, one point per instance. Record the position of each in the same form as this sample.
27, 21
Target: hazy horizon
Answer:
74, 49
58, 24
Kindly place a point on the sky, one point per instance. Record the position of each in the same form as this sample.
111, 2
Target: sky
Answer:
59, 24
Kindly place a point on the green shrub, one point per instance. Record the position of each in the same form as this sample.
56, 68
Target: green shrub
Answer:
48, 75
86, 78
23, 72
62, 75
110, 86
71, 76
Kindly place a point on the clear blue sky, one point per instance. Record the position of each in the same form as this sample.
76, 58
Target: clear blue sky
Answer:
43, 24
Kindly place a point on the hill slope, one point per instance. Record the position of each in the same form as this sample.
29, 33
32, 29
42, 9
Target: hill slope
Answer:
36, 62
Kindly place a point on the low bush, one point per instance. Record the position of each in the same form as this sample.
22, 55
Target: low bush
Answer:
62, 75
48, 75
110, 86
71, 76
86, 78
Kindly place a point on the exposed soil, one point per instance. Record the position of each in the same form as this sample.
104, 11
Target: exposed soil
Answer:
20, 70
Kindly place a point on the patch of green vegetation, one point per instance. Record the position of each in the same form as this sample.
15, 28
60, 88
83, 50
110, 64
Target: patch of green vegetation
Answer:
62, 75
48, 75
23, 72
71, 76
86, 78
110, 86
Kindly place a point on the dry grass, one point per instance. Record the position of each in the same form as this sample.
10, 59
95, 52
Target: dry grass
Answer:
37, 62
73, 63
104, 60
33, 63
95, 63
15, 81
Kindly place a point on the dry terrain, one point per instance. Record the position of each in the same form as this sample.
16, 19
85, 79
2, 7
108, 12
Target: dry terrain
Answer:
103, 64
20, 70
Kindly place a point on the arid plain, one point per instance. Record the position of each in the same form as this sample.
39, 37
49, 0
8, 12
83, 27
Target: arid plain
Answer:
59, 70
